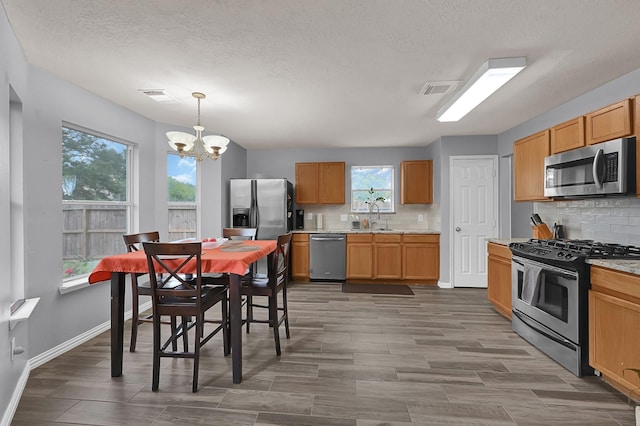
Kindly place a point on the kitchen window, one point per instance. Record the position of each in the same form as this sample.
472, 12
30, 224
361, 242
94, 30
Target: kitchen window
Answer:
181, 195
96, 194
371, 187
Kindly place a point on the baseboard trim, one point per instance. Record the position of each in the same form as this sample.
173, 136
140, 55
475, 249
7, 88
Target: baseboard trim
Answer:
443, 284
53, 353
17, 394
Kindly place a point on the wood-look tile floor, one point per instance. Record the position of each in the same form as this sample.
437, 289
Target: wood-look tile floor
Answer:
440, 357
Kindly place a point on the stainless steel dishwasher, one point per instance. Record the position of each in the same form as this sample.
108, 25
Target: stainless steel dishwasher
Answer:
328, 257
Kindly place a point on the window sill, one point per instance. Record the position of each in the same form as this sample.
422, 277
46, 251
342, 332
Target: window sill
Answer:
24, 312
73, 285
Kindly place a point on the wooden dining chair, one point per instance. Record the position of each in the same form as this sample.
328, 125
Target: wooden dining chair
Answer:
275, 283
233, 234
139, 283
177, 292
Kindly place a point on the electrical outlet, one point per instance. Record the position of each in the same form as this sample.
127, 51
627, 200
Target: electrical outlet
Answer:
420, 218
309, 216
343, 217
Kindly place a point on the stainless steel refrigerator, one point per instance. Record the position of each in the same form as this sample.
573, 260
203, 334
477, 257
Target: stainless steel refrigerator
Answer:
265, 204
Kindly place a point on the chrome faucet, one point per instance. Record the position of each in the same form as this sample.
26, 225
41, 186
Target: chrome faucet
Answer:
371, 221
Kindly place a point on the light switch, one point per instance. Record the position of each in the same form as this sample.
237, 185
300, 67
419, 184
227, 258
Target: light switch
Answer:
343, 217
309, 216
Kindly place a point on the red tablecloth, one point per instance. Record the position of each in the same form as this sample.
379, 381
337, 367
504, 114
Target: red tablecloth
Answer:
213, 260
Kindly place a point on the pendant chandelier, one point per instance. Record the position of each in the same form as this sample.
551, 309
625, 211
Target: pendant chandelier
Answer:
198, 146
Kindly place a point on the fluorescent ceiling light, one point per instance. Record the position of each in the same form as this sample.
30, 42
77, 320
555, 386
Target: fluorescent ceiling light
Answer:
492, 75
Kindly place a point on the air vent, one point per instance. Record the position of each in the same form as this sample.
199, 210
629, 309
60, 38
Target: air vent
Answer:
159, 95
439, 87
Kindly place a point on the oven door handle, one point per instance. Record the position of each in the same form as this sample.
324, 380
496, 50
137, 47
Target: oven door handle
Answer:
547, 269
562, 342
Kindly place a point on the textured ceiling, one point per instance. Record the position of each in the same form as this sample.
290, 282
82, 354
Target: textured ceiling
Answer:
325, 73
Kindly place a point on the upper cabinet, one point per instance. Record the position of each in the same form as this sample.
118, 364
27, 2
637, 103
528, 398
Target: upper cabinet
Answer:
568, 135
528, 166
320, 183
611, 122
416, 182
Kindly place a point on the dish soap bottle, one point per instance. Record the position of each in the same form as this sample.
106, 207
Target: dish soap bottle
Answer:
365, 223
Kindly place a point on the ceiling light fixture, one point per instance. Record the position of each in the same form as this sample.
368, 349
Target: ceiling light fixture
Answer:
492, 75
198, 146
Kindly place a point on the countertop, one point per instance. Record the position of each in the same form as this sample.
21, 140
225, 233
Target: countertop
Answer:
506, 241
364, 231
622, 265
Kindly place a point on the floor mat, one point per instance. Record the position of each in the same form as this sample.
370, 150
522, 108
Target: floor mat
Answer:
377, 289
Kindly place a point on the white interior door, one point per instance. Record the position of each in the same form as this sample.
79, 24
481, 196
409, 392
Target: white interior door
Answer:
474, 217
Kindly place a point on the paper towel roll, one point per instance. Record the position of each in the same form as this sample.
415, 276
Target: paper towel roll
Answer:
319, 220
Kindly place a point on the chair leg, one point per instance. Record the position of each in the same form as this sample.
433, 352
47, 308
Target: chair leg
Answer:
273, 320
174, 329
196, 352
156, 355
134, 317
249, 311
226, 334
286, 312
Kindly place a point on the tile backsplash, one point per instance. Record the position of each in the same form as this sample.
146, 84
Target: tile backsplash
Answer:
608, 220
405, 217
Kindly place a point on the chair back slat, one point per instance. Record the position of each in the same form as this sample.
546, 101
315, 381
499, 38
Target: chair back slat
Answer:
133, 241
278, 265
239, 233
174, 282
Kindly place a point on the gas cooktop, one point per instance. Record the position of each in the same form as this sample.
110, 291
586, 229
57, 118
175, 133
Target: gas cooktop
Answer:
573, 250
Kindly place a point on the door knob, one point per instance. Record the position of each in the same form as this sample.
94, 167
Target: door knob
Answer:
458, 229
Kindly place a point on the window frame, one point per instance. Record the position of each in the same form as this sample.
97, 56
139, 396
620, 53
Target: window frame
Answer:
391, 189
79, 281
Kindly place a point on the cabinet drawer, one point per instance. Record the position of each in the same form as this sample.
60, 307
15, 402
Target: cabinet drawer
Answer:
387, 238
359, 238
300, 237
622, 283
421, 238
499, 250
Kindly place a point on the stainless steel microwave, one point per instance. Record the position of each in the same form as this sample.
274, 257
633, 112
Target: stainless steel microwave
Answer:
607, 168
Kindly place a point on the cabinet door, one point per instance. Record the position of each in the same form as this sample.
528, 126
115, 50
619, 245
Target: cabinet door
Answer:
420, 260
614, 338
359, 260
636, 127
416, 182
568, 135
611, 122
528, 166
387, 260
307, 183
499, 278
300, 256
331, 183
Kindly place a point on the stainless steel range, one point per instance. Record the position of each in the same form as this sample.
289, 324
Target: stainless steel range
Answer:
550, 283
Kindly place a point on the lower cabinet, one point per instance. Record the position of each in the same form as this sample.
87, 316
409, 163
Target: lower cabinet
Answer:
499, 277
421, 257
359, 256
388, 257
614, 332
300, 256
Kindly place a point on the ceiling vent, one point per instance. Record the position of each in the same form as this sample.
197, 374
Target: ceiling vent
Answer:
159, 95
439, 87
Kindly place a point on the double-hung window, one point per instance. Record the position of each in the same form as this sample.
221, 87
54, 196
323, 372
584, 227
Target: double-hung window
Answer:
372, 188
182, 197
96, 198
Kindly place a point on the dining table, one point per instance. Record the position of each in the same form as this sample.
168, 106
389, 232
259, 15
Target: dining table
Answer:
232, 257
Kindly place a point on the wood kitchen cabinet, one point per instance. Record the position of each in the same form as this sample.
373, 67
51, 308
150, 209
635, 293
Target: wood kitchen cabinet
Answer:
568, 135
416, 182
611, 122
393, 257
300, 256
387, 256
320, 183
614, 334
421, 257
528, 166
359, 256
499, 278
